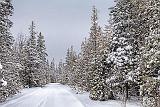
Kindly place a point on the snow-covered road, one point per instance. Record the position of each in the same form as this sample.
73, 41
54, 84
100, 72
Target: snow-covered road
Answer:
49, 96
57, 95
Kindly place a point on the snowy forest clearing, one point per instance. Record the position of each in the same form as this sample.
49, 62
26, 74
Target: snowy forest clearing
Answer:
57, 95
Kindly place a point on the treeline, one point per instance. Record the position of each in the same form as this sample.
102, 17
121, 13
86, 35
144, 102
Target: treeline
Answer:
123, 60
31, 55
24, 61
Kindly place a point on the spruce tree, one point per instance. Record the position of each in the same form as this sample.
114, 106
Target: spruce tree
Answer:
67, 68
47, 73
53, 71
79, 76
85, 53
43, 64
21, 52
9, 72
32, 59
70, 64
60, 71
96, 74
123, 58
150, 66
92, 45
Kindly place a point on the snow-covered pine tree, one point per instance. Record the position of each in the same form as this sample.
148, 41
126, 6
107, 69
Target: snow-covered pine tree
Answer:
42, 56
59, 72
85, 53
103, 67
96, 75
150, 90
124, 48
66, 68
47, 73
73, 62
82, 63
20, 48
53, 71
33, 61
56, 73
92, 46
9, 72
70, 66
80, 74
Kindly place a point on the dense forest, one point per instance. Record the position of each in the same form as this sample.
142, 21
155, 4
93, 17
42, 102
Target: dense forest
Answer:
118, 62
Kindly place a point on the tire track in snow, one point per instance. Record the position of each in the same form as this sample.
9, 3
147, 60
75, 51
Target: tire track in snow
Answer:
62, 98
49, 96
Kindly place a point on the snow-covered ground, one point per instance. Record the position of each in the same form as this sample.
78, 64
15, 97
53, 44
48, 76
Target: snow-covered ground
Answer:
57, 95
111, 103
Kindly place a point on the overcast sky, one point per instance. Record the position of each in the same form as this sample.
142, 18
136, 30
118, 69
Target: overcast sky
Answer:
62, 22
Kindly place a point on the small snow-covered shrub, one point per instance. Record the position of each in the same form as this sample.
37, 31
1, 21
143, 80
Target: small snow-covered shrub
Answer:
149, 102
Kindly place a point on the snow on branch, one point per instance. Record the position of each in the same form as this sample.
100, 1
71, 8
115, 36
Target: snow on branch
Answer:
2, 82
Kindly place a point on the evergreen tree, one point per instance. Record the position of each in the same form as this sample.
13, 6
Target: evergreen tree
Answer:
43, 64
59, 74
67, 68
92, 45
73, 61
33, 63
83, 64
124, 56
41, 48
21, 53
79, 74
150, 66
53, 71
47, 73
96, 74
9, 72
70, 66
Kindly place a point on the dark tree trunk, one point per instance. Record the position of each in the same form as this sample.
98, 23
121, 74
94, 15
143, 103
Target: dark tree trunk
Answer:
126, 90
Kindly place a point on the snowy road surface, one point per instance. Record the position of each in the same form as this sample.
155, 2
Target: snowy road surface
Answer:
57, 95
54, 96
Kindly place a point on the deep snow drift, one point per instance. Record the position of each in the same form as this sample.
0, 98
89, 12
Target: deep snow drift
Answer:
57, 95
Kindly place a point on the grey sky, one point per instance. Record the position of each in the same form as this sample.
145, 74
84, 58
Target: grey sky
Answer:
62, 22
